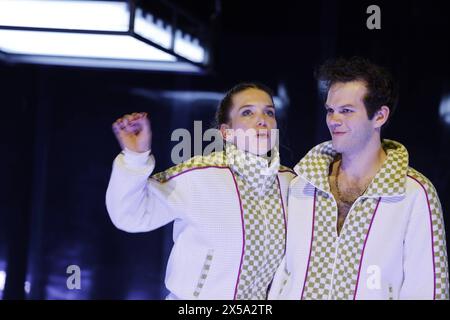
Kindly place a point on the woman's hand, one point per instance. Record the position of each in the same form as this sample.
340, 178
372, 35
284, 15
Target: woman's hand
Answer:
133, 131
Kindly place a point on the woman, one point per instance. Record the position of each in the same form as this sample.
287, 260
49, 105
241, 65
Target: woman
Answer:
227, 207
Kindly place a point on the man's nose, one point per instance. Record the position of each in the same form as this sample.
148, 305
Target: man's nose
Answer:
334, 119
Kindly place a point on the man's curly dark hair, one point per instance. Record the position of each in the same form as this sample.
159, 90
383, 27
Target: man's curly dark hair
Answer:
381, 88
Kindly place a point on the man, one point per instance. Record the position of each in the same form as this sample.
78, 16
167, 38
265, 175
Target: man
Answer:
362, 224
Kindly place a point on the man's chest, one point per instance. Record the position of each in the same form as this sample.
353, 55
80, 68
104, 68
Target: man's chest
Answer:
345, 198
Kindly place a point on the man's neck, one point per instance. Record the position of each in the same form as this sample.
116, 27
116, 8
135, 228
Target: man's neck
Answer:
365, 163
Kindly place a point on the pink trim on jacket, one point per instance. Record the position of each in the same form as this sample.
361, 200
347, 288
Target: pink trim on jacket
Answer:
311, 245
284, 213
192, 169
243, 234
432, 236
364, 248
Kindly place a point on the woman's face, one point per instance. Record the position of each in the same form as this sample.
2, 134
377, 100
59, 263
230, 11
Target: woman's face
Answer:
252, 122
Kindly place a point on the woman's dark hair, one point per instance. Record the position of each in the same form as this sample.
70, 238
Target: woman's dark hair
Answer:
225, 105
381, 88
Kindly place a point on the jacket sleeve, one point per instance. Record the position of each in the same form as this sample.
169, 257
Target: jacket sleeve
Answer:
138, 203
425, 264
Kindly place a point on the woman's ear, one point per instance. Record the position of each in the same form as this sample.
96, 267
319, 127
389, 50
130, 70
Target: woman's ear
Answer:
381, 116
224, 130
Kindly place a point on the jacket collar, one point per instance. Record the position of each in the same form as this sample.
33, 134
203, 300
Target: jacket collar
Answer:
389, 181
258, 171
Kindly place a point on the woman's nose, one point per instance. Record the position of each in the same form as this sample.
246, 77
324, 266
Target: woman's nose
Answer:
261, 120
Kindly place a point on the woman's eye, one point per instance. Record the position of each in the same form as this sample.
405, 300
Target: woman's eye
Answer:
329, 110
271, 113
346, 110
246, 113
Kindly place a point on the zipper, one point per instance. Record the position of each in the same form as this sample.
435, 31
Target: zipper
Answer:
338, 236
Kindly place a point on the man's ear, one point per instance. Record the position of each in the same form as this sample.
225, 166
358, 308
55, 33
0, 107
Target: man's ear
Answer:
381, 116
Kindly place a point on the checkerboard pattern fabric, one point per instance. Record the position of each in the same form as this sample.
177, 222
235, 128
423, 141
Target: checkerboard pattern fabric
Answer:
439, 242
204, 273
333, 268
214, 159
286, 276
350, 247
263, 221
314, 166
323, 253
391, 179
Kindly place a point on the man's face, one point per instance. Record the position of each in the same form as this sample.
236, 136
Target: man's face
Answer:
252, 118
347, 118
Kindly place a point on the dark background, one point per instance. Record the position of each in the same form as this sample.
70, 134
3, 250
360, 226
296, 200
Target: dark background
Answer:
57, 145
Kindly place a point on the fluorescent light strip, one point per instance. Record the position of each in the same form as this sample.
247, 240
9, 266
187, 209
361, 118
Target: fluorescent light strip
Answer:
189, 50
79, 45
145, 27
75, 15
155, 32
177, 66
89, 15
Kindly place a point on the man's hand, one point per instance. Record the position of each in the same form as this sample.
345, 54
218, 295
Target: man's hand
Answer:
133, 132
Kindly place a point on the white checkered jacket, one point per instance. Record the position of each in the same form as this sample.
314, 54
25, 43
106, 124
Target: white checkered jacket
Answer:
202, 198
392, 244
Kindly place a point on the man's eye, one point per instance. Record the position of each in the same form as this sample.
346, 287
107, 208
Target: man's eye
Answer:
246, 113
346, 110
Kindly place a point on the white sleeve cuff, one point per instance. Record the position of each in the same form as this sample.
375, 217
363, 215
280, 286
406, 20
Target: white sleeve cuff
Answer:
133, 158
